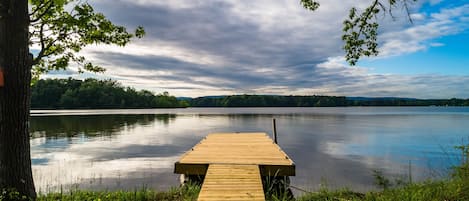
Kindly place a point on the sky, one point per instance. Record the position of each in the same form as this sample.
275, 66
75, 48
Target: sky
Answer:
225, 47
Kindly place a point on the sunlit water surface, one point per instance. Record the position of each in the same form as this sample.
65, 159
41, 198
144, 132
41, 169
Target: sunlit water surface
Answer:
337, 147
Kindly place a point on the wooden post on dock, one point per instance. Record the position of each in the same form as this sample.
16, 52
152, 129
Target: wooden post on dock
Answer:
274, 130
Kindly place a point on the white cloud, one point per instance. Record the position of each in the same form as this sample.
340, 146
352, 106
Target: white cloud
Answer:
419, 37
418, 16
390, 85
269, 47
451, 13
156, 48
437, 44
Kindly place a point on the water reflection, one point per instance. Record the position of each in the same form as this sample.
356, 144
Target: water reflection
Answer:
336, 146
104, 151
91, 125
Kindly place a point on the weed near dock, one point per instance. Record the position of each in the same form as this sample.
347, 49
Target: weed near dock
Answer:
186, 192
454, 189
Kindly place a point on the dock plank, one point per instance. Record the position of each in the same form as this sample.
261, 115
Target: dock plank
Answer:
236, 148
232, 182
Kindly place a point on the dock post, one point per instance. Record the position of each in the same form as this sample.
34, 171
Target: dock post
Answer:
274, 130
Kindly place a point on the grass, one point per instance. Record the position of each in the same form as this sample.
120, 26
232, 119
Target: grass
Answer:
454, 189
277, 188
187, 192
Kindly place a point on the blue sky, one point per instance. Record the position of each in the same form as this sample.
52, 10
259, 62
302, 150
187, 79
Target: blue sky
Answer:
451, 58
447, 56
223, 47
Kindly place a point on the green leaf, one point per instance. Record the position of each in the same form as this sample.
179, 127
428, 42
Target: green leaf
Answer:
62, 33
310, 4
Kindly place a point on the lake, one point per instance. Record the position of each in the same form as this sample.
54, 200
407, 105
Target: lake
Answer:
337, 147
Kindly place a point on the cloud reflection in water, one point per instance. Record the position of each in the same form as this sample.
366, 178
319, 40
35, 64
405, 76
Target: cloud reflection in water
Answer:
338, 145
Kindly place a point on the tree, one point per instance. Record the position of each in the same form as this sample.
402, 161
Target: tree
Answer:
16, 61
361, 29
60, 28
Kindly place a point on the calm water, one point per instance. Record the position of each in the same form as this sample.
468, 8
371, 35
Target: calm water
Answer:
109, 149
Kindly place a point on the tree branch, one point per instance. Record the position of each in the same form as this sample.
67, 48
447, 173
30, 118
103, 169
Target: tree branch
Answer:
51, 3
408, 12
45, 47
371, 8
39, 8
41, 39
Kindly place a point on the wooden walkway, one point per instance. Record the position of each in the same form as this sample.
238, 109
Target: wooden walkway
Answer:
232, 182
233, 164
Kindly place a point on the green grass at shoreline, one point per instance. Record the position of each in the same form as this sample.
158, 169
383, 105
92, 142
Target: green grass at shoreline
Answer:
443, 190
184, 193
455, 188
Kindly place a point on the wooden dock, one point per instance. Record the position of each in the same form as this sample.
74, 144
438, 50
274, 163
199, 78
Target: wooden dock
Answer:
233, 164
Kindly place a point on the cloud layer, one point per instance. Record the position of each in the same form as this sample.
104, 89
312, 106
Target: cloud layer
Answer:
267, 47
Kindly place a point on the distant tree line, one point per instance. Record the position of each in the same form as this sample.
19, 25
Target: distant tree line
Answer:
269, 101
102, 94
317, 101
408, 102
96, 94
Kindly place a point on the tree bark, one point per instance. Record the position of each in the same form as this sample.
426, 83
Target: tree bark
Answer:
16, 61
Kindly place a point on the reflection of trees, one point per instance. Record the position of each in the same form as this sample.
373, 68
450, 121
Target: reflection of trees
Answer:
91, 125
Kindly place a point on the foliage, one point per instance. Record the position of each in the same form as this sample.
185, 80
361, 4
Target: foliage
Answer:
277, 188
268, 101
361, 28
92, 93
317, 101
425, 191
61, 28
12, 194
310, 4
187, 192
380, 180
462, 171
407, 102
360, 33
327, 195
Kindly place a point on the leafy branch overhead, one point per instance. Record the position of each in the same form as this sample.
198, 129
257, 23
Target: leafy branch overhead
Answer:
310, 4
360, 30
61, 28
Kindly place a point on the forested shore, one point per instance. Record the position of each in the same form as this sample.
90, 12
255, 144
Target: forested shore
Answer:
106, 94
318, 101
96, 94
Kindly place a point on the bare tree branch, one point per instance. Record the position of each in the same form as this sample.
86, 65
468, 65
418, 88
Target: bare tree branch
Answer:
406, 6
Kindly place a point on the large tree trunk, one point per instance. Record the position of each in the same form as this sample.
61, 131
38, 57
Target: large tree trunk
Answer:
16, 61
